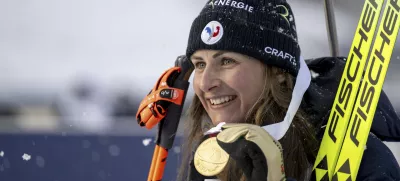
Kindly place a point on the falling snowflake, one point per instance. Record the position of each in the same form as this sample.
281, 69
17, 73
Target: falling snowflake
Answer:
290, 18
280, 30
146, 141
26, 157
114, 150
1, 153
40, 161
177, 149
314, 74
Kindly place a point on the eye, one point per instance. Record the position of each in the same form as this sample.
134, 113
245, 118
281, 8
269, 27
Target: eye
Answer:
200, 65
227, 61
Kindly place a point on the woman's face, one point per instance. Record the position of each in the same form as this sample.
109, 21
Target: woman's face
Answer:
228, 84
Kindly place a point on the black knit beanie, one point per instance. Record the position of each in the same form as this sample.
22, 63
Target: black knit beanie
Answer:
263, 29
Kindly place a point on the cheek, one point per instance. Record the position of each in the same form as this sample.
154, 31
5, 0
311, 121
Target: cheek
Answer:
246, 81
248, 84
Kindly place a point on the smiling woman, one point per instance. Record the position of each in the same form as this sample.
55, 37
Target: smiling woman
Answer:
236, 88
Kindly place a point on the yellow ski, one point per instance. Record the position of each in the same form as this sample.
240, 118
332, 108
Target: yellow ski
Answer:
346, 95
366, 102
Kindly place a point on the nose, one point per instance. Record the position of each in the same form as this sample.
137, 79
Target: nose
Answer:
209, 79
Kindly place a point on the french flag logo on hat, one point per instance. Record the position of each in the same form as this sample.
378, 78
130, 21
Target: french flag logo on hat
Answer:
212, 33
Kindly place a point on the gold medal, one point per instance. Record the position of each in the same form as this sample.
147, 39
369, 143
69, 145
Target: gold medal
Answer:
210, 159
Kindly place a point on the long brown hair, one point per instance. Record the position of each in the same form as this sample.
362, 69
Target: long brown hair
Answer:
299, 143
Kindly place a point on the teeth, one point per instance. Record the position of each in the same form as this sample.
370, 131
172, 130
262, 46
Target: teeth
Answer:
221, 100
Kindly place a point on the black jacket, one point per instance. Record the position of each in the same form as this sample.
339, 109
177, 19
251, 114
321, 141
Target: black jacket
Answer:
378, 162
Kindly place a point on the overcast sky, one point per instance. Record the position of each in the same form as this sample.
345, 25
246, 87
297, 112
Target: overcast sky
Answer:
45, 44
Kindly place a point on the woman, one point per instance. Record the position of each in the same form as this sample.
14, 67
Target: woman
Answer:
249, 74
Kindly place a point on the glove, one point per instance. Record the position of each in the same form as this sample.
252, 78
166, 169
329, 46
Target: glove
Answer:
259, 154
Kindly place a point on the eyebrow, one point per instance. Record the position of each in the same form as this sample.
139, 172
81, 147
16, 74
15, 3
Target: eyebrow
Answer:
219, 53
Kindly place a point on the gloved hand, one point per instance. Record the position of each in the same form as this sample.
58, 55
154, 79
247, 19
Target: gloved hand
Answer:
259, 155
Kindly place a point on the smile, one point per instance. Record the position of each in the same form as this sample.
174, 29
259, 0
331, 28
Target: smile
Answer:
222, 100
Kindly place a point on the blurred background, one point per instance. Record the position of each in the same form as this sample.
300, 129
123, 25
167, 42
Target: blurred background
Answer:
72, 74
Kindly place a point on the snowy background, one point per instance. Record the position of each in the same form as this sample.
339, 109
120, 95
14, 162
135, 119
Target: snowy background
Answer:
50, 48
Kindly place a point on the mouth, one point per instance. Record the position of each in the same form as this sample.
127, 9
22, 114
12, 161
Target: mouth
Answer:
222, 100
